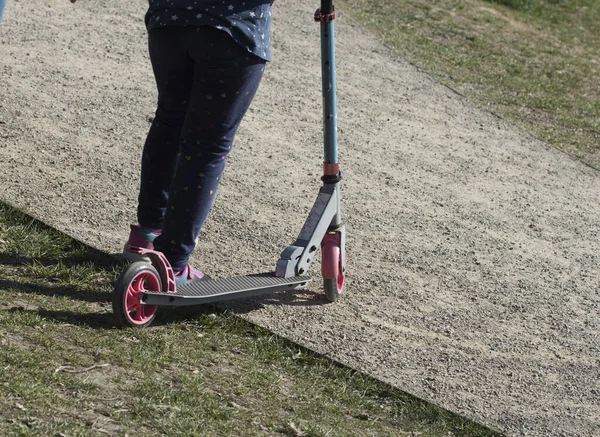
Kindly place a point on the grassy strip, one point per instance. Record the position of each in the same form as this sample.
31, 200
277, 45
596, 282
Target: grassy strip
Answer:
66, 371
535, 62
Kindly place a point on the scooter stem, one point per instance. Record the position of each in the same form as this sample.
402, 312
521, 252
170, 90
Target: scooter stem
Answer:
325, 215
325, 15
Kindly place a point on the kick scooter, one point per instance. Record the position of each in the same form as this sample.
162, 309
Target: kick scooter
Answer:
142, 287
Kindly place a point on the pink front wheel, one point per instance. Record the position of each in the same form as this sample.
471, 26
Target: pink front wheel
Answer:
331, 266
127, 306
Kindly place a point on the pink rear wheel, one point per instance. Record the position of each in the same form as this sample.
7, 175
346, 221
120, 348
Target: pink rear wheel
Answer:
331, 267
128, 309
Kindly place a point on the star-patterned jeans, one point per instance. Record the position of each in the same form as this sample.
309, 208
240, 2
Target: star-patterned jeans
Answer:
205, 83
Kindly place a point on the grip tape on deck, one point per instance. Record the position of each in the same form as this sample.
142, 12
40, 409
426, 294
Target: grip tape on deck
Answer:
211, 290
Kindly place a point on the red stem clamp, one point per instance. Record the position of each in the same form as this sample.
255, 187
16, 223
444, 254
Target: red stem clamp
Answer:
320, 17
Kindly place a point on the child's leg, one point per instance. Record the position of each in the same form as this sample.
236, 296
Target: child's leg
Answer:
173, 70
226, 78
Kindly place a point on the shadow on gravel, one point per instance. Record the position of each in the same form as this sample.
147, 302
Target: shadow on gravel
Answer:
297, 298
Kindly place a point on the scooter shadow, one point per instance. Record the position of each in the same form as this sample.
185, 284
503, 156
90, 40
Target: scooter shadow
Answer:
242, 306
295, 298
303, 297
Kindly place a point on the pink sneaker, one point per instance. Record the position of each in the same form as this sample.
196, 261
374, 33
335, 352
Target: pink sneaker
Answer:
189, 274
139, 238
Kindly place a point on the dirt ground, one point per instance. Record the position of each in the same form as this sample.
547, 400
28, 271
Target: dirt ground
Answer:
472, 246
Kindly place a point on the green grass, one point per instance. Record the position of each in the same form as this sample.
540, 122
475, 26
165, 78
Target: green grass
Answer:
534, 62
65, 370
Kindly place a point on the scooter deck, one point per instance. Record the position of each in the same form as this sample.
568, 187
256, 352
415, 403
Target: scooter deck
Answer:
211, 290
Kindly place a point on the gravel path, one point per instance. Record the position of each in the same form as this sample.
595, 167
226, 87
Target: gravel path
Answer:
472, 246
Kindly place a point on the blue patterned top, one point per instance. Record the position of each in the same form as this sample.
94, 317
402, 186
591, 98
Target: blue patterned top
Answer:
248, 22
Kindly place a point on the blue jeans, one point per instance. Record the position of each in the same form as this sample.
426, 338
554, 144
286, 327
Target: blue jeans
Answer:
2, 5
206, 83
